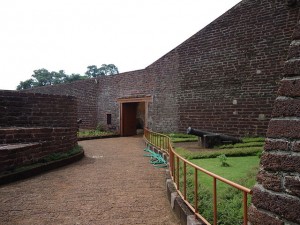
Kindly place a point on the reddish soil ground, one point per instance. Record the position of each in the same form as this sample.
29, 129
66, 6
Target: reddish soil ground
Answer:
113, 184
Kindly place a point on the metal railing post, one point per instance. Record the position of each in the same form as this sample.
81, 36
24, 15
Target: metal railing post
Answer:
215, 201
196, 190
163, 142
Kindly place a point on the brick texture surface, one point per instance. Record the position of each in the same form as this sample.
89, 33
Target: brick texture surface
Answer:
292, 185
86, 94
285, 206
33, 126
271, 181
36, 110
284, 128
222, 79
290, 88
286, 107
259, 218
276, 196
275, 144
280, 162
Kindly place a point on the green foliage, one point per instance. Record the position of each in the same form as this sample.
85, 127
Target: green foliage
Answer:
179, 137
243, 171
253, 139
223, 160
100, 127
61, 155
105, 69
93, 133
249, 147
233, 152
30, 83
50, 158
43, 77
243, 161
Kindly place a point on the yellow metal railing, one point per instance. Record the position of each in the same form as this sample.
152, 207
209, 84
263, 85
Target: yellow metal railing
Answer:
164, 143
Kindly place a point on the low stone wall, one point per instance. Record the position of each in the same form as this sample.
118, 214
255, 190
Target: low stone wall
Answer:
33, 126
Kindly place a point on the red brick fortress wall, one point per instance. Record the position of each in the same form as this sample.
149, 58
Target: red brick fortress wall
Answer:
222, 79
86, 93
33, 126
276, 197
229, 71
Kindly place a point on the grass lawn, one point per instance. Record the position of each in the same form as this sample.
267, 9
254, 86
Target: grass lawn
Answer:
93, 133
239, 168
243, 159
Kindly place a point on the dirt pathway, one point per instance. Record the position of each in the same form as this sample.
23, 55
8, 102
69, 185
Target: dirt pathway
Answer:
113, 184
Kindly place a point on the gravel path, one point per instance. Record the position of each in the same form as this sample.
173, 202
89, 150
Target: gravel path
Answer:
113, 184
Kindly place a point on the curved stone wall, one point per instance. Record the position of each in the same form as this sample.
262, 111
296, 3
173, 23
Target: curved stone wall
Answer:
33, 126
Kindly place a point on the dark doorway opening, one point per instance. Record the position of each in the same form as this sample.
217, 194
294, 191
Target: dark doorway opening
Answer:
133, 118
134, 115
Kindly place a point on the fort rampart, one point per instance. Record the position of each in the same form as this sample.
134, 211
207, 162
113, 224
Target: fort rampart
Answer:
223, 79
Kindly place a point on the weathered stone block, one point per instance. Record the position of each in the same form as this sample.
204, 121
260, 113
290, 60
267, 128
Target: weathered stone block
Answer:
289, 88
257, 217
284, 128
292, 185
276, 144
280, 204
286, 107
280, 162
292, 67
271, 181
296, 146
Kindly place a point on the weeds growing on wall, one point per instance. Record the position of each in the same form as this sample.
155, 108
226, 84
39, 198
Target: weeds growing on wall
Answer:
50, 158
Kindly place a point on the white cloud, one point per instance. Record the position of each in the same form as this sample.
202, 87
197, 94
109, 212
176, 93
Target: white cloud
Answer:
72, 34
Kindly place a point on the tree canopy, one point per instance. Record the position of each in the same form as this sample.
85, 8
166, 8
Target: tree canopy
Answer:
105, 69
43, 77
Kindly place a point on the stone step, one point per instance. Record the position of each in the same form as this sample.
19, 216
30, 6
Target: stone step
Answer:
9, 135
18, 154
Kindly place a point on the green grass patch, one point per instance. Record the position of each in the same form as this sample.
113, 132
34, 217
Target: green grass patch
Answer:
61, 155
243, 160
94, 133
237, 169
242, 170
232, 152
241, 145
179, 137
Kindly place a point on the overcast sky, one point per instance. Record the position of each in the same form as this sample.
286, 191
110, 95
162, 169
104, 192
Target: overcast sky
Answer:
73, 34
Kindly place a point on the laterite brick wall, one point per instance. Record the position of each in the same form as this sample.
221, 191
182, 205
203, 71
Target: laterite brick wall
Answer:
19, 109
33, 126
276, 196
85, 91
230, 70
222, 79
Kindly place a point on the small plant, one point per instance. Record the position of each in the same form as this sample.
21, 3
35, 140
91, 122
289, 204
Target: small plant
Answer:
100, 127
223, 160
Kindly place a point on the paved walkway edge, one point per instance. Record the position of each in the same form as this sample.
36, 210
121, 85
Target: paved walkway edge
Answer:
181, 210
97, 137
12, 177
